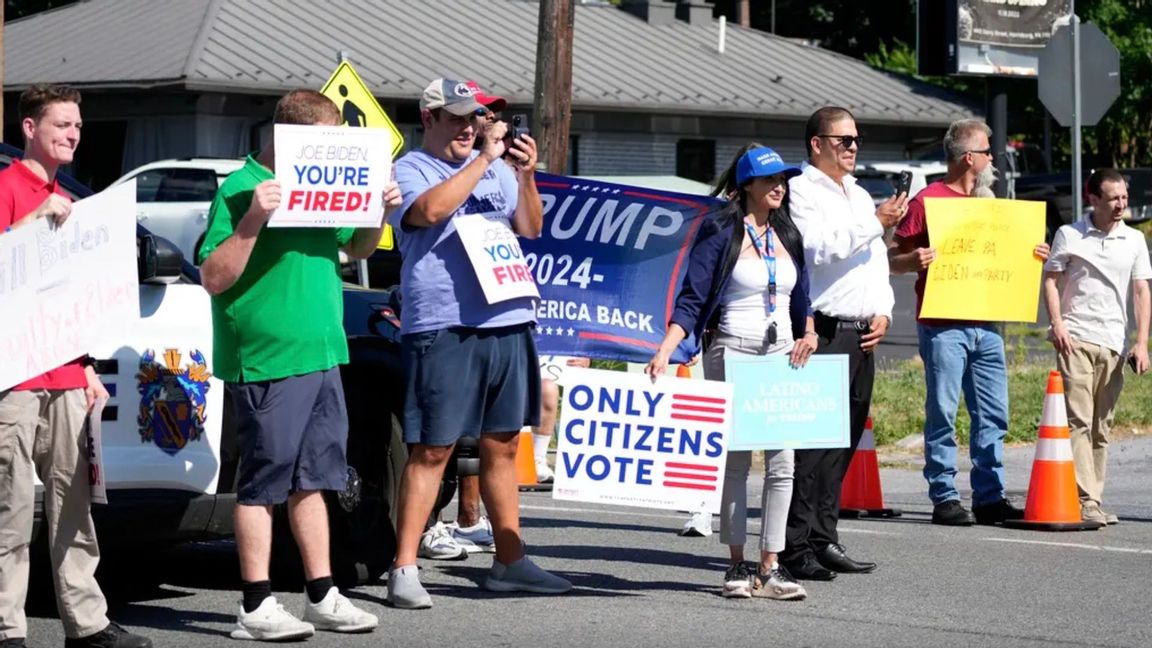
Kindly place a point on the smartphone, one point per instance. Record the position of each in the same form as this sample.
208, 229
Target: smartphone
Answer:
1132, 362
904, 184
517, 127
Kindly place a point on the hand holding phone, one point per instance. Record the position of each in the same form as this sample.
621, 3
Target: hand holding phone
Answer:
904, 183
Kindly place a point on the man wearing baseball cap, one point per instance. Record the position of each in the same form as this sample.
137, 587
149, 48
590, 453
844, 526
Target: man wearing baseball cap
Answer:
471, 366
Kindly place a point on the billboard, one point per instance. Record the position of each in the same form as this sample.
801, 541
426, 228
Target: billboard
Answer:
986, 37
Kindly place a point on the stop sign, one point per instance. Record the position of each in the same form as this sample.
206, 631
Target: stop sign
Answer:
1099, 75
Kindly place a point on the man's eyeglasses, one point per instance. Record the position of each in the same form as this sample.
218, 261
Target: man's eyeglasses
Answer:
845, 140
986, 151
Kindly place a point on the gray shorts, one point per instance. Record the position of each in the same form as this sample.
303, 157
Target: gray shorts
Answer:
293, 435
464, 381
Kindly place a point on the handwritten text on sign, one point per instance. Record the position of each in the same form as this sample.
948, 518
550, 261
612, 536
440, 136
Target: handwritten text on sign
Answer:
624, 440
496, 257
69, 289
331, 176
985, 268
778, 407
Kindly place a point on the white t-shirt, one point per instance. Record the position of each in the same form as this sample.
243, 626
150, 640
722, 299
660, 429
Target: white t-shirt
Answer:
744, 305
1098, 269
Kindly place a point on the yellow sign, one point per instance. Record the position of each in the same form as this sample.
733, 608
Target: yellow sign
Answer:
985, 268
359, 108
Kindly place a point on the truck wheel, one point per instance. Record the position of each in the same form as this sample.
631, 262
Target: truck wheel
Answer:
362, 518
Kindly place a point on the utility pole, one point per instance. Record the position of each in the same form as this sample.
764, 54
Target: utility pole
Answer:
553, 100
744, 15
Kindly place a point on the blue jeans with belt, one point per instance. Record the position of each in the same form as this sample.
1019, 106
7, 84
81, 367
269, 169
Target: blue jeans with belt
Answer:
969, 360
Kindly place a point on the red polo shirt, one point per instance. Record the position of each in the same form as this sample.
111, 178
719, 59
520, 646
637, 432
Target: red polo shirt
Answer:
21, 192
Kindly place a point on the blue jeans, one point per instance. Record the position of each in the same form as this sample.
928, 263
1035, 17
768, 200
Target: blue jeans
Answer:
968, 358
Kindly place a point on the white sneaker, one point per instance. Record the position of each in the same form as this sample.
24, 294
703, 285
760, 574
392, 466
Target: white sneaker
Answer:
270, 622
437, 543
524, 576
335, 613
544, 474
698, 526
476, 538
778, 584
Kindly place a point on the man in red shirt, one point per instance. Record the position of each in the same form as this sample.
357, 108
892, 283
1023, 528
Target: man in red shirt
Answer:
959, 356
42, 419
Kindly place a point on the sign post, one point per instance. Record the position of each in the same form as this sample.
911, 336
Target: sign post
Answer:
1078, 82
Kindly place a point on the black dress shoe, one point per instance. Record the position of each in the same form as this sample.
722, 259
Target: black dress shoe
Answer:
997, 512
834, 558
113, 636
950, 513
12, 642
808, 568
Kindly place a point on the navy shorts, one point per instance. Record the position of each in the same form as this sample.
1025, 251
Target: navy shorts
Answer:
464, 381
293, 435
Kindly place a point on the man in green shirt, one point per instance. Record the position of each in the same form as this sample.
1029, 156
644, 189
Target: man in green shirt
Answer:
277, 313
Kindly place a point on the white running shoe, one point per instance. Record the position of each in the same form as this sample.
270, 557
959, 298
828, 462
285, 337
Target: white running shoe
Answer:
335, 613
698, 526
778, 584
476, 538
544, 474
437, 543
738, 580
270, 622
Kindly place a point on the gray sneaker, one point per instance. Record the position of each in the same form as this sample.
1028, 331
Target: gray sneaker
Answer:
1090, 512
1110, 518
778, 584
524, 576
405, 591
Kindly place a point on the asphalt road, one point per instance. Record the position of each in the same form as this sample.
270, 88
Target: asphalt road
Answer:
639, 584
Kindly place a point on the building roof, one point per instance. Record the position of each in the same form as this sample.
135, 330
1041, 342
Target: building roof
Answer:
620, 61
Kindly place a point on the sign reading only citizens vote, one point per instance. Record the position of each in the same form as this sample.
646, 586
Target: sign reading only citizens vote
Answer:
331, 176
69, 289
608, 265
496, 256
985, 268
624, 440
778, 407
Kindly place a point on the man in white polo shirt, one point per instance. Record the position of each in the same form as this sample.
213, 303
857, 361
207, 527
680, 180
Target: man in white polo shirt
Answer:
1086, 283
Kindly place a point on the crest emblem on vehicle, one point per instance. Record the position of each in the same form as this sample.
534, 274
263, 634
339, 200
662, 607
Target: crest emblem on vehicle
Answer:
173, 399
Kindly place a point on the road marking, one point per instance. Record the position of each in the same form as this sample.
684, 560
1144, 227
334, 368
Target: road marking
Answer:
1073, 545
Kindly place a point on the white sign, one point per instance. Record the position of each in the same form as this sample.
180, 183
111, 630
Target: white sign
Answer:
496, 257
68, 289
331, 176
624, 440
96, 478
552, 367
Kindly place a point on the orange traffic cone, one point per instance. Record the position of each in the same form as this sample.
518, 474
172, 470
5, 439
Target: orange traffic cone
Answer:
683, 371
526, 463
1053, 503
860, 494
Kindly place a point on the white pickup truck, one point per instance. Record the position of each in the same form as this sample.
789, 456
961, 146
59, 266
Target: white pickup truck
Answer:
168, 435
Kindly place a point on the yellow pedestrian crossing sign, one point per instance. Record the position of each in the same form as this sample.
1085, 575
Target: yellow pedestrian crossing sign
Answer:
357, 105
358, 108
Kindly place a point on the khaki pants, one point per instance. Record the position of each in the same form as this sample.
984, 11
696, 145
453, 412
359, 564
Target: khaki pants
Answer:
1093, 377
43, 431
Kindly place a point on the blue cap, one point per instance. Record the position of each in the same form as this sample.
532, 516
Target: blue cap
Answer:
761, 162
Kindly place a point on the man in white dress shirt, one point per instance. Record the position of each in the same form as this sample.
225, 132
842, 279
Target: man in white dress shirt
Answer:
843, 234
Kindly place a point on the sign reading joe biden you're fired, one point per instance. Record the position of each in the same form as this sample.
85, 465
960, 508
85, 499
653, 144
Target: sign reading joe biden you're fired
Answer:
496, 256
331, 176
624, 440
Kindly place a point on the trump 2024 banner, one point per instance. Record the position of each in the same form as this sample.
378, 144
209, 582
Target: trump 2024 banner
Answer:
624, 440
608, 265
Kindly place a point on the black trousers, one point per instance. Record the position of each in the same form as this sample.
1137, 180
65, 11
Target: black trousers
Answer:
815, 508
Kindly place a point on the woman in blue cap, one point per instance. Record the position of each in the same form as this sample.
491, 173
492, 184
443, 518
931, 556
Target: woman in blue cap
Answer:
746, 283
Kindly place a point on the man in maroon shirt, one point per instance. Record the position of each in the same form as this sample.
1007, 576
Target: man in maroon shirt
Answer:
42, 419
959, 356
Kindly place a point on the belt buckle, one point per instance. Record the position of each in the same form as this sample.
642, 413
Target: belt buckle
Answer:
861, 326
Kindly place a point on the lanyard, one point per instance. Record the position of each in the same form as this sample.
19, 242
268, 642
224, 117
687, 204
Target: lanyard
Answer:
768, 253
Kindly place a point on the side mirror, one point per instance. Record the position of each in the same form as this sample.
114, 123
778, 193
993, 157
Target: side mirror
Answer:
158, 261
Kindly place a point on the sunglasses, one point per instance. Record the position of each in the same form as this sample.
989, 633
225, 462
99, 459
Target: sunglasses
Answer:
986, 151
845, 140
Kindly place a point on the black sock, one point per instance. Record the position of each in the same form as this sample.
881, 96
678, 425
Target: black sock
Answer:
255, 593
318, 589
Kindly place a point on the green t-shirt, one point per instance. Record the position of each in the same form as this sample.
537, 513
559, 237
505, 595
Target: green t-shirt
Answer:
284, 316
